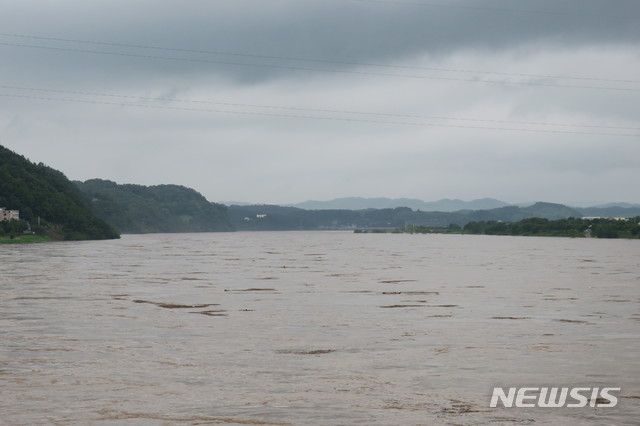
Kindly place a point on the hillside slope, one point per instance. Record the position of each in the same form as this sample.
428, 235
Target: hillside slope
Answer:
45, 195
138, 209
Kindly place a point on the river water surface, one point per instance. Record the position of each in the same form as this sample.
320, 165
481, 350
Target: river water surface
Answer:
315, 328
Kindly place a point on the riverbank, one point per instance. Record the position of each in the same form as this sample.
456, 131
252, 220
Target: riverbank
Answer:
538, 227
24, 239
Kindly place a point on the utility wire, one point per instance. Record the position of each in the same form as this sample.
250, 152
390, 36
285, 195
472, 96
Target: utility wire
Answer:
337, 111
289, 58
376, 74
43, 98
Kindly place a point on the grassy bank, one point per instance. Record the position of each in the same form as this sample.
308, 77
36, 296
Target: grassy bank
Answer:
24, 239
572, 227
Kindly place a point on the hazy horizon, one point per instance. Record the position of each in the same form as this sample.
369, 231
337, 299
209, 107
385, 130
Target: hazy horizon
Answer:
517, 203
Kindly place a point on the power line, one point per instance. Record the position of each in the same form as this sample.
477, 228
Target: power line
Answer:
376, 74
290, 58
338, 111
43, 98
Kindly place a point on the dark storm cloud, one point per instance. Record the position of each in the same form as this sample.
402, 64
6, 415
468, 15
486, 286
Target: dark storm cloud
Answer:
335, 30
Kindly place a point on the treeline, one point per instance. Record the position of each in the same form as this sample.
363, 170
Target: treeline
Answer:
571, 227
138, 209
47, 200
273, 218
277, 218
13, 227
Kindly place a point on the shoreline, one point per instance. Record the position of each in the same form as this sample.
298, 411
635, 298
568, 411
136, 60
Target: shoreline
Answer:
24, 239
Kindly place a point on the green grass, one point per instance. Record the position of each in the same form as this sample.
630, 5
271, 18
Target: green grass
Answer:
24, 239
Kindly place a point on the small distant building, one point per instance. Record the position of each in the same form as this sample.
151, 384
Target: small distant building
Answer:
9, 214
626, 219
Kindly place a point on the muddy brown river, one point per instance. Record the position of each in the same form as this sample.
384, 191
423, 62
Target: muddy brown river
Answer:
315, 328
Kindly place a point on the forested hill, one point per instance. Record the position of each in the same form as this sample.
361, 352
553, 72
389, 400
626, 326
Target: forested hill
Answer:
138, 209
44, 194
272, 218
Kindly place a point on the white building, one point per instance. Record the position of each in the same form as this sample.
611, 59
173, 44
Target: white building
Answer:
9, 214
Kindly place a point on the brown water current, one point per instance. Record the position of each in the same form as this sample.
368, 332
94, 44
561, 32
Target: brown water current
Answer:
327, 328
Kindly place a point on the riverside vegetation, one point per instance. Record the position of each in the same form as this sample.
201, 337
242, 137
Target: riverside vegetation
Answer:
138, 209
50, 206
279, 218
571, 227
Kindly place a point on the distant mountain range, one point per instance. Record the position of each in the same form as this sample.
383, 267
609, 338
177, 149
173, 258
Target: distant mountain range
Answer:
360, 203
444, 205
272, 218
623, 205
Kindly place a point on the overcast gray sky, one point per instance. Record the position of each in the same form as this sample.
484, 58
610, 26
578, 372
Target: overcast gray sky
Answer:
281, 101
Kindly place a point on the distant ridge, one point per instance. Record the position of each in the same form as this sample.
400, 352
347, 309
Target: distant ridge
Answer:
138, 209
360, 203
276, 218
621, 205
